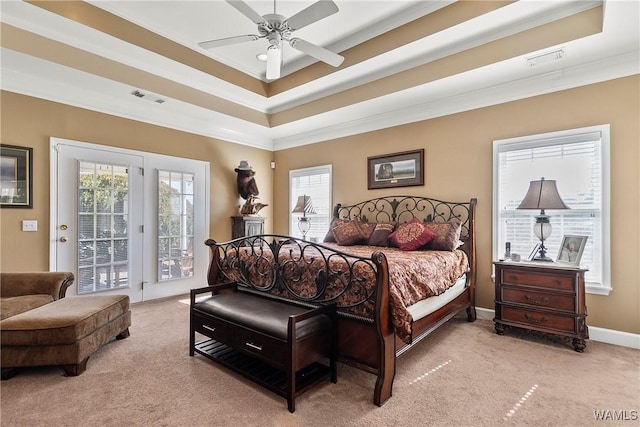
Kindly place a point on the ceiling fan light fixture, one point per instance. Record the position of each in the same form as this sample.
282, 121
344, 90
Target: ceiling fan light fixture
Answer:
274, 60
262, 57
277, 28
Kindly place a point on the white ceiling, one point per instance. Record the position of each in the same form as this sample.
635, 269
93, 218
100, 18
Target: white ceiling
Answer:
190, 22
612, 53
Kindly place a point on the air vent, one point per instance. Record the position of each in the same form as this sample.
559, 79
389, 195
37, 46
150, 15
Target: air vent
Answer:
148, 96
554, 55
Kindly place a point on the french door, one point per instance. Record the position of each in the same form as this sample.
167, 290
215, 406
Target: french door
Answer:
127, 222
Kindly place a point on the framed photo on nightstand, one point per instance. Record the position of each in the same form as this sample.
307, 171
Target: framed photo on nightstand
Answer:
571, 249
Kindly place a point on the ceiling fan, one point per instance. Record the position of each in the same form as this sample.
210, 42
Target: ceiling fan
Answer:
276, 28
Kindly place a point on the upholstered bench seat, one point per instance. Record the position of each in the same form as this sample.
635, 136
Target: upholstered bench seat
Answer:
10, 306
280, 344
64, 332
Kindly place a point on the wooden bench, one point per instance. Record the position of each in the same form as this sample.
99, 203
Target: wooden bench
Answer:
285, 346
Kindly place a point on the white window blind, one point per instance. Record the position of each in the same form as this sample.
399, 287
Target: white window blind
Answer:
578, 161
314, 182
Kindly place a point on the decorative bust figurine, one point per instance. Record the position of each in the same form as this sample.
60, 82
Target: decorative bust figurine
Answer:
248, 189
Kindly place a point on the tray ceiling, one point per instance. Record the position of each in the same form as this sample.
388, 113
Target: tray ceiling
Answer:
404, 61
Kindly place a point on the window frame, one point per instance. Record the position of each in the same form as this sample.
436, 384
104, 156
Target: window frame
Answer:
293, 196
551, 139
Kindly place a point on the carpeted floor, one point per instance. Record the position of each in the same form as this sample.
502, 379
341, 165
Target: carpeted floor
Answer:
463, 375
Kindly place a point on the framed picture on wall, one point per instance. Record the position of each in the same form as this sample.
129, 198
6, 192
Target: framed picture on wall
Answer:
571, 249
16, 171
396, 170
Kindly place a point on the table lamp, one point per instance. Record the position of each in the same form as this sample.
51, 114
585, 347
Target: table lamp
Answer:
542, 195
304, 207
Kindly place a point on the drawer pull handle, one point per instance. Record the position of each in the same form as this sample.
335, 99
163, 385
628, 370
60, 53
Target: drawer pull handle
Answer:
257, 347
531, 319
209, 328
544, 300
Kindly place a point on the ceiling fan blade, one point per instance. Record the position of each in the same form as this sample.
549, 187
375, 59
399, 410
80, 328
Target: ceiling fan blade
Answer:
274, 62
317, 11
227, 41
246, 10
317, 52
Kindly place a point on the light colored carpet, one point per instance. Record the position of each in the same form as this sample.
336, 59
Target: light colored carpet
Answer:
463, 375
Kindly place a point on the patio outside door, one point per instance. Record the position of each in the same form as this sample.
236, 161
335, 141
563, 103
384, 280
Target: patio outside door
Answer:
128, 222
99, 217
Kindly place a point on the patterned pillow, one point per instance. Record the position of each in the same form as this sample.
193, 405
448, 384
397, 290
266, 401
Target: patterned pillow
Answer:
348, 233
446, 234
411, 235
367, 228
329, 237
380, 234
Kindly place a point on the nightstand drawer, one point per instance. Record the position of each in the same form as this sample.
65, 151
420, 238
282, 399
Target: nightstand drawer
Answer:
542, 280
537, 299
539, 320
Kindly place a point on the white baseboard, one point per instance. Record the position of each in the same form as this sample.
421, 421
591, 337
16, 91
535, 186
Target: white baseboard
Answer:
608, 336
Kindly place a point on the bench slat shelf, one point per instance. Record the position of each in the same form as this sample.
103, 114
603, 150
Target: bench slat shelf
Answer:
262, 373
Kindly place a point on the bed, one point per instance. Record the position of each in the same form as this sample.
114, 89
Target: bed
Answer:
388, 299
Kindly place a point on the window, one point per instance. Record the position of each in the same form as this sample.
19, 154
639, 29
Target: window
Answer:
312, 182
175, 225
103, 216
578, 160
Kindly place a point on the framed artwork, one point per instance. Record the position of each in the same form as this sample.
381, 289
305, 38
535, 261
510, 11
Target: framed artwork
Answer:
396, 170
571, 249
16, 171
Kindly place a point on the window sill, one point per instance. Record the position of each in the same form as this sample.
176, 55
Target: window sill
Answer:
597, 289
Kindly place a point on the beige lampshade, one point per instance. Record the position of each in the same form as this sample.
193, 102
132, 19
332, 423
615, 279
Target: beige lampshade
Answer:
304, 206
542, 194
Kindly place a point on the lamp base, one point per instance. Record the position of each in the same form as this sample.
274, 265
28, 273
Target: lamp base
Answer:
542, 258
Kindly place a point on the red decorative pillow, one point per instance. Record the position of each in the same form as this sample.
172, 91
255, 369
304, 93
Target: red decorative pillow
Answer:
348, 233
446, 235
380, 234
411, 236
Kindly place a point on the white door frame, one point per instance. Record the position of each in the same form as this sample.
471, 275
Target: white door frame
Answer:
201, 257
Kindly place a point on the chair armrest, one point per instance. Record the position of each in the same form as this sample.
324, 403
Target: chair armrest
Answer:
53, 283
211, 288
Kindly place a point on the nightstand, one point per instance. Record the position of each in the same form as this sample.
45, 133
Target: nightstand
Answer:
245, 226
544, 297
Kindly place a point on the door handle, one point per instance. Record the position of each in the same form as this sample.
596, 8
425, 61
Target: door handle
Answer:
63, 239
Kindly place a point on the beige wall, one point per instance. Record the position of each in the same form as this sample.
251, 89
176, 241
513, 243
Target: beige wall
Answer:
460, 142
30, 122
458, 164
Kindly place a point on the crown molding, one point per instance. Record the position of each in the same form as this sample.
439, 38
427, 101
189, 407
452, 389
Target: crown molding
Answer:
452, 95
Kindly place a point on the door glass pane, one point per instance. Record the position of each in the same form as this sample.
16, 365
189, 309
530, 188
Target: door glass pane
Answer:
175, 225
103, 255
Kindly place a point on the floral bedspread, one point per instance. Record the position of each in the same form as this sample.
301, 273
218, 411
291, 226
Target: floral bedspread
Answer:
414, 276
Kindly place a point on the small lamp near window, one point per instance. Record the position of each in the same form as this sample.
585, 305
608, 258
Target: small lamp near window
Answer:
304, 207
542, 195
